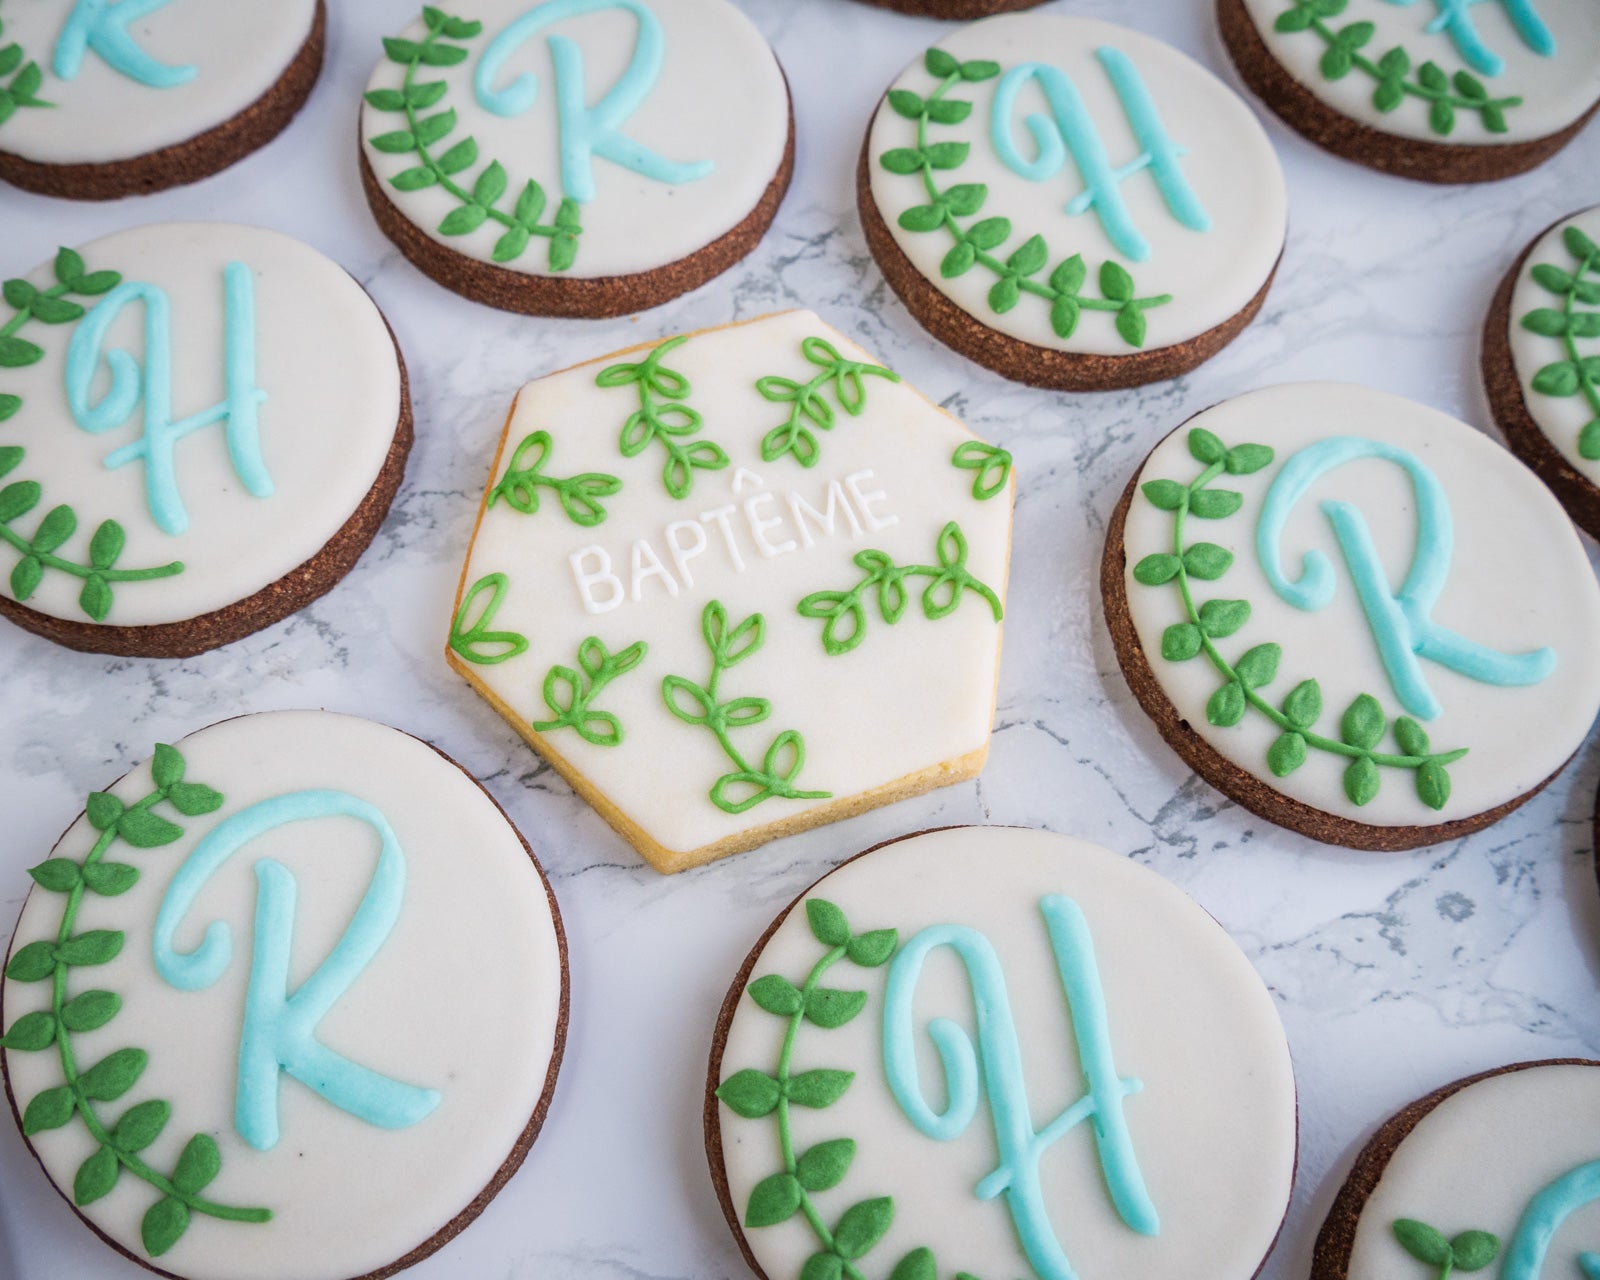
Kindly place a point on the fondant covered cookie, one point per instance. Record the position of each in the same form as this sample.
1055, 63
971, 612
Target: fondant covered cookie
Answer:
1071, 203
286, 1003
993, 1052
576, 157
1354, 615
738, 583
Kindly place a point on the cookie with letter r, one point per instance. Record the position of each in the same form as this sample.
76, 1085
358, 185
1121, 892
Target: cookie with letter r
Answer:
100, 99
1437, 90
1497, 1174
576, 157
989, 1051
1070, 203
1354, 615
205, 425
738, 583
267, 977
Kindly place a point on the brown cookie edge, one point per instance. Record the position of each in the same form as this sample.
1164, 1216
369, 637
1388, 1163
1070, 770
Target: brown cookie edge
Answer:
955, 10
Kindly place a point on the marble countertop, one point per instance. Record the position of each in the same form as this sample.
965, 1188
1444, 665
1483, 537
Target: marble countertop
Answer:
1394, 973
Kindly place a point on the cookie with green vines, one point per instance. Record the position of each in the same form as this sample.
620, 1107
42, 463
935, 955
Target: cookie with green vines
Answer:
576, 157
1352, 614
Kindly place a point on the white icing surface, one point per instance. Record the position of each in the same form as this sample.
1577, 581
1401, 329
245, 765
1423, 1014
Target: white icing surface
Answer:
1474, 1162
101, 115
464, 997
1519, 581
910, 696
1228, 161
1213, 1129
720, 96
1561, 418
1555, 90
327, 364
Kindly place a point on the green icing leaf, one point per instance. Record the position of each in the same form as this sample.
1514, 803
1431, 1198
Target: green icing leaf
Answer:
145, 830
90, 1010
872, 949
1226, 707
163, 1225
828, 923
1422, 1242
916, 1265
96, 946
1474, 1250
1361, 780
773, 1200
1286, 754
166, 766
1433, 787
198, 1165
776, 994
192, 799
862, 1226
824, 1166
1363, 723
33, 962
96, 1176
818, 1088
1304, 704
822, 1266
113, 1075
49, 1110
141, 1124
103, 810
1258, 666
59, 875
31, 1032
829, 1008
750, 1093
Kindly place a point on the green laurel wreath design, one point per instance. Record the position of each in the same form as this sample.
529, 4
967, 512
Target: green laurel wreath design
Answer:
37, 553
473, 640
991, 464
807, 403
664, 423
26, 79
1468, 1251
1445, 94
120, 1142
1577, 374
1063, 289
579, 496
476, 206
570, 696
1364, 722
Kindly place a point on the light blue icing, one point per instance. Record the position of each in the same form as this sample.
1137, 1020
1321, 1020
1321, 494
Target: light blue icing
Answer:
1401, 623
103, 26
158, 440
279, 1028
1455, 20
1020, 1147
1070, 127
585, 131
1543, 1218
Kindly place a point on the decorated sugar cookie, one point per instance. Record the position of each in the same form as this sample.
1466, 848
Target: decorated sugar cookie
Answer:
1441, 90
738, 583
204, 426
962, 10
1354, 615
1497, 1174
100, 99
265, 980
996, 1052
576, 157
1070, 203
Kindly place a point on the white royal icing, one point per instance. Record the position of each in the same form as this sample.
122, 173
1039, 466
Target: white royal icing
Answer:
325, 361
1518, 581
909, 697
1225, 158
1212, 1129
102, 115
463, 997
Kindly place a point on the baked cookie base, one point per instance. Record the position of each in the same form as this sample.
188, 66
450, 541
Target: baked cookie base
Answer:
1313, 119
184, 162
957, 10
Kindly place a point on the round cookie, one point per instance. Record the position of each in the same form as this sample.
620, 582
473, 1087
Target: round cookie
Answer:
851, 1131
1497, 1173
1541, 362
204, 427
1070, 203
1437, 90
288, 963
1355, 616
577, 157
100, 100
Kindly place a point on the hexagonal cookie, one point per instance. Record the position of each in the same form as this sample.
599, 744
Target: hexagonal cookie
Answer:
738, 584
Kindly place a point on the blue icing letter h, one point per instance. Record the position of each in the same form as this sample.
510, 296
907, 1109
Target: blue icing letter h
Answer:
103, 26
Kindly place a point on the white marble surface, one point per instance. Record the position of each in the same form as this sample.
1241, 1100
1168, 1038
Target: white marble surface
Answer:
1394, 973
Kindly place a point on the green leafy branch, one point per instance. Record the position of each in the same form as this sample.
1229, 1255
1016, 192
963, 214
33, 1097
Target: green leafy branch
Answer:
421, 133
473, 640
1361, 728
654, 421
1063, 289
991, 463
119, 1142
579, 497
884, 580
1577, 374
1469, 1251
37, 552
26, 79
570, 696
1445, 94
808, 403
702, 705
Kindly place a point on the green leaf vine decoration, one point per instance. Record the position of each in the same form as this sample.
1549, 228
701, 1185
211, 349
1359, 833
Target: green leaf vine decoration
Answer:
1063, 288
421, 133
1444, 94
702, 705
570, 696
884, 581
664, 423
119, 1142
1469, 1251
470, 635
1364, 722
807, 403
26, 80
1577, 374
579, 497
991, 463
37, 552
